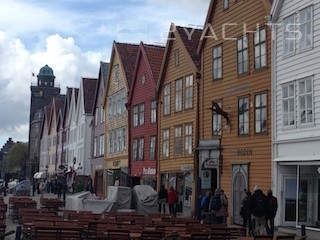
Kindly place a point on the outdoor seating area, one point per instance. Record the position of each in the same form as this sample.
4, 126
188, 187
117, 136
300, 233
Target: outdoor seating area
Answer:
120, 225
3, 211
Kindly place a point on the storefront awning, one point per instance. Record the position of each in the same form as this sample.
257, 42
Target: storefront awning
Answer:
303, 158
39, 175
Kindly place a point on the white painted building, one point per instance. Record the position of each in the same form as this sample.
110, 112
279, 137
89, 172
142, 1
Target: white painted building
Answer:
296, 111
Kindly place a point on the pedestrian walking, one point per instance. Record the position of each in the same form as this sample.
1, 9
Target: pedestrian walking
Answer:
258, 210
217, 206
162, 199
245, 212
272, 207
172, 200
204, 206
42, 187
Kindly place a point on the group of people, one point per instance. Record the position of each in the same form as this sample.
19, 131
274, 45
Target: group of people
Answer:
167, 197
258, 212
214, 207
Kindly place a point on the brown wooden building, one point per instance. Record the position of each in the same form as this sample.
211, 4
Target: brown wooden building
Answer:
177, 91
235, 91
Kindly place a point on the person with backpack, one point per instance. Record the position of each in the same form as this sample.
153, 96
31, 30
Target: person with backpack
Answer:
258, 210
245, 212
271, 212
217, 205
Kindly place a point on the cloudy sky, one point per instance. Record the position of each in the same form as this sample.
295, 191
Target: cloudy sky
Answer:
72, 37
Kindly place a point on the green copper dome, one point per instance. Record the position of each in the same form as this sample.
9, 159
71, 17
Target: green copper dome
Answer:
46, 71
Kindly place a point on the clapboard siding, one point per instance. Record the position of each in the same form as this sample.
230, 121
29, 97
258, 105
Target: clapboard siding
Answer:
118, 121
186, 116
246, 14
294, 67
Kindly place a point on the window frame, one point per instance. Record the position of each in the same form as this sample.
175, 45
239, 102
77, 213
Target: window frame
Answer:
290, 99
216, 120
178, 95
178, 140
166, 99
301, 24
188, 96
305, 95
260, 110
243, 120
153, 145
188, 133
288, 35
244, 51
153, 111
260, 44
165, 143
217, 62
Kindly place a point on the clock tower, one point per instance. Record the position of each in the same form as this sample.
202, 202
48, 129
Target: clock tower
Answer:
42, 93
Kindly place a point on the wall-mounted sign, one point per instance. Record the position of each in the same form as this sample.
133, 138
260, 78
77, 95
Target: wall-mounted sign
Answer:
186, 167
211, 163
242, 151
150, 171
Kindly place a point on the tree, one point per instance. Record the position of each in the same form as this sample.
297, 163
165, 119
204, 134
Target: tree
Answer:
15, 159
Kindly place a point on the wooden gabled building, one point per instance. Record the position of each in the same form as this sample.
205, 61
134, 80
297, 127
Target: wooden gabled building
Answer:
178, 106
122, 62
235, 132
142, 107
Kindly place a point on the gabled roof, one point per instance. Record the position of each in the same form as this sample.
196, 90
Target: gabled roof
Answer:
89, 87
188, 38
152, 56
102, 79
211, 11
67, 103
127, 53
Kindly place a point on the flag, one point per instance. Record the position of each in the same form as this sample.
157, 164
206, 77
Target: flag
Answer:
32, 74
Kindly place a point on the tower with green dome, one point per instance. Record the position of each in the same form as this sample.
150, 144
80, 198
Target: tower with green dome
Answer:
41, 95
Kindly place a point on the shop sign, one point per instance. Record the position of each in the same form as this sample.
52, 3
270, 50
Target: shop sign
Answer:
186, 167
150, 171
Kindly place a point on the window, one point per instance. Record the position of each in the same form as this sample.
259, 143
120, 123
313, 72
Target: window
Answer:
152, 147
101, 145
178, 140
260, 49
305, 101
176, 57
178, 95
189, 92
143, 79
141, 149
217, 62
153, 111
135, 116
288, 106
306, 28
141, 114
165, 143
242, 53
243, 115
96, 117
260, 111
225, 4
95, 146
289, 35
102, 115
116, 73
217, 121
166, 100
135, 149
188, 139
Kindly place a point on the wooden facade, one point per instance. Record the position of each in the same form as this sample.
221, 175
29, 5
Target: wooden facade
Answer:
122, 62
241, 88
178, 110
142, 105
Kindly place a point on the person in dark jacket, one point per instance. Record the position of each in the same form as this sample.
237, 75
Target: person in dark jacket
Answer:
204, 205
258, 210
245, 211
162, 198
272, 208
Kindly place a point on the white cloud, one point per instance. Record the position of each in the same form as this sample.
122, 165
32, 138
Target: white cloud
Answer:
66, 59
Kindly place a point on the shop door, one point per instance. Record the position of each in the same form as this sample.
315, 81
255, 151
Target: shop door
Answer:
289, 204
239, 184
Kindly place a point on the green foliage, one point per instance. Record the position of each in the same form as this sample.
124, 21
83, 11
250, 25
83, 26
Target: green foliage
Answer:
15, 159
